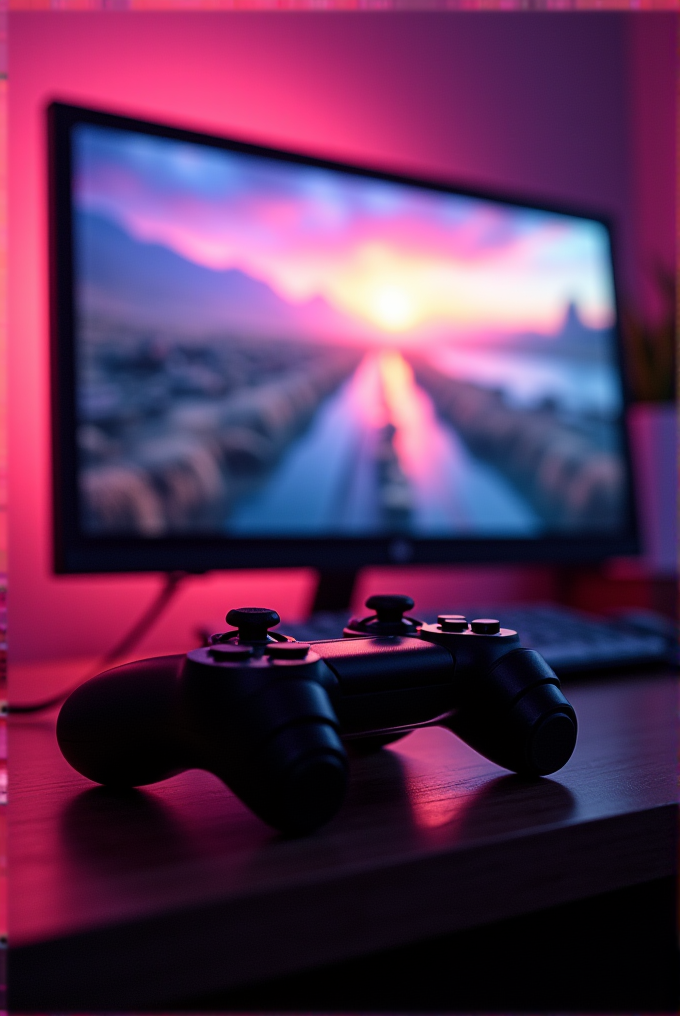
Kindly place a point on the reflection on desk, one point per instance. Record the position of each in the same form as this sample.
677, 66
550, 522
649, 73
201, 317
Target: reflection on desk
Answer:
131, 900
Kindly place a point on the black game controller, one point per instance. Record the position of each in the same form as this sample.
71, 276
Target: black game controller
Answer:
272, 717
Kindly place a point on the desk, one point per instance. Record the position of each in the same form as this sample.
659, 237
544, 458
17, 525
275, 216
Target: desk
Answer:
123, 902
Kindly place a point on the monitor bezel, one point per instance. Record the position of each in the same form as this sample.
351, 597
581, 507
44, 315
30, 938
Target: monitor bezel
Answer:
77, 553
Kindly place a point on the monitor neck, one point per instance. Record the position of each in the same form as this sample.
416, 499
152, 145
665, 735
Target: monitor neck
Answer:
334, 591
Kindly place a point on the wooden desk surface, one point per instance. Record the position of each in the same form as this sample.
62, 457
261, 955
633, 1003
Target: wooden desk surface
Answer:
177, 889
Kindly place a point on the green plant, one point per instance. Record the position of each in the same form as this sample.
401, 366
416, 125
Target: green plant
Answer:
651, 350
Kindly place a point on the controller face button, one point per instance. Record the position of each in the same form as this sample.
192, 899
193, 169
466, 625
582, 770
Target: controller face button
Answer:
452, 622
230, 653
485, 626
287, 650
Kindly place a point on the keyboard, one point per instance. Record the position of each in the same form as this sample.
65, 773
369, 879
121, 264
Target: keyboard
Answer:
569, 640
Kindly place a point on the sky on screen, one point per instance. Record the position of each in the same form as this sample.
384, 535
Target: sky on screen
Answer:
396, 258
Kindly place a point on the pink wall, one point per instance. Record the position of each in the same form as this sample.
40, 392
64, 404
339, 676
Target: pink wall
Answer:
653, 47
533, 103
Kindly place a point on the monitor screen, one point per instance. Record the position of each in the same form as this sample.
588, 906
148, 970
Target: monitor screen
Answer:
258, 351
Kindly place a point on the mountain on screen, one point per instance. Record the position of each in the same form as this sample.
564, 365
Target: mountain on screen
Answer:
148, 285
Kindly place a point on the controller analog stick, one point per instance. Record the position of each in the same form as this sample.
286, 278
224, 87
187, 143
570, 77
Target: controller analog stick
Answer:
388, 618
252, 622
389, 608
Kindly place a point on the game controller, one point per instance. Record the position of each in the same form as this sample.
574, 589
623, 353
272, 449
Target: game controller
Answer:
274, 718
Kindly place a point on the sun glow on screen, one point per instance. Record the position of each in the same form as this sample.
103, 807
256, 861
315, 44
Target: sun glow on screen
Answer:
392, 308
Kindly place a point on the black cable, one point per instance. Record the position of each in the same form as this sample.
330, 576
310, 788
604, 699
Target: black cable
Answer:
172, 582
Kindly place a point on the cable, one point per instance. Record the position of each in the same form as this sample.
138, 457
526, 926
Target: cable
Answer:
158, 605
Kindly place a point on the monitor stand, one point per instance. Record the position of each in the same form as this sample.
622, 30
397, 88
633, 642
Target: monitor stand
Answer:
334, 591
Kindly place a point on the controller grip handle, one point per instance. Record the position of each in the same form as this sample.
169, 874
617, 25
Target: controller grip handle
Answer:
518, 716
278, 748
296, 781
118, 728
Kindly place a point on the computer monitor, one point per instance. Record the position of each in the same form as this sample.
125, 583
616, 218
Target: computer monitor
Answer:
264, 358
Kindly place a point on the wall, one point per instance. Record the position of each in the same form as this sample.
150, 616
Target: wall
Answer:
652, 54
533, 103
